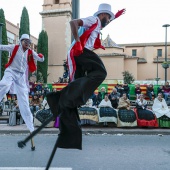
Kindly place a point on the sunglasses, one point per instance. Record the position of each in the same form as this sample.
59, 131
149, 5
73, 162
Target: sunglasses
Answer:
27, 41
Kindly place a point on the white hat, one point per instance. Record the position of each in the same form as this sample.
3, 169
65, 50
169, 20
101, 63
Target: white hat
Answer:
24, 36
105, 8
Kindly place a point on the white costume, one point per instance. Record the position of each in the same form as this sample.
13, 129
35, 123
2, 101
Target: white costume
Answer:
105, 103
160, 108
16, 74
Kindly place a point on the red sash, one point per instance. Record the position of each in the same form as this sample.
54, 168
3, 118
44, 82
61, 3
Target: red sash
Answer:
83, 39
30, 59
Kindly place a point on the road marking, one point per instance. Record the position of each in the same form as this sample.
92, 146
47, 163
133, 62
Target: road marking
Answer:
32, 168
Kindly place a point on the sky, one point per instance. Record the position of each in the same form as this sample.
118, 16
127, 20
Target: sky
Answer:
142, 22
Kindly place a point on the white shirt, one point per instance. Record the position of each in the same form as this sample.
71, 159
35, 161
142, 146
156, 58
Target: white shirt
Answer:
105, 103
88, 22
160, 108
20, 60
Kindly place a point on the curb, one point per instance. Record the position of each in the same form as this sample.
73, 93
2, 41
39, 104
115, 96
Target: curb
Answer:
104, 131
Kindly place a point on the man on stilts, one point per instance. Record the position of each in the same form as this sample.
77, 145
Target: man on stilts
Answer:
86, 71
16, 76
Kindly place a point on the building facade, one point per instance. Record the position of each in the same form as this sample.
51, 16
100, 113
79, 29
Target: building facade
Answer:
13, 35
56, 15
143, 60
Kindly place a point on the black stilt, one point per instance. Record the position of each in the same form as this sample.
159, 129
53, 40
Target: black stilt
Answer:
52, 155
22, 144
32, 144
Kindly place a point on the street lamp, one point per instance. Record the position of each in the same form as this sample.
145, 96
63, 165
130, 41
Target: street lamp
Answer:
166, 25
157, 78
1, 24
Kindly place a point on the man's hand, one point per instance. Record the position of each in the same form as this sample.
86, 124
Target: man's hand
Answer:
119, 13
40, 55
78, 50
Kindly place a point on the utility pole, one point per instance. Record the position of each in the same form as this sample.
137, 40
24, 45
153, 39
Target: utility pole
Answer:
75, 11
1, 24
166, 25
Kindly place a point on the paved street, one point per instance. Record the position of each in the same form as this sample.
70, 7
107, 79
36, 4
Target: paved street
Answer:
100, 152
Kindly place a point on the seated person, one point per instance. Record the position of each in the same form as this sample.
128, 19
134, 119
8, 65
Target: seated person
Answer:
161, 111
166, 90
15, 117
124, 102
100, 95
88, 113
106, 111
145, 117
126, 116
54, 90
46, 90
150, 92
137, 90
114, 98
38, 87
126, 89
45, 107
93, 97
2, 104
32, 88
120, 90
160, 90
35, 104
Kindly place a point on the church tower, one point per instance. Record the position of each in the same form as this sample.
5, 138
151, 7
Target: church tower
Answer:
56, 16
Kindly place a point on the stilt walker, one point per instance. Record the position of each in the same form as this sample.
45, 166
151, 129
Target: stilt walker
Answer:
15, 76
86, 71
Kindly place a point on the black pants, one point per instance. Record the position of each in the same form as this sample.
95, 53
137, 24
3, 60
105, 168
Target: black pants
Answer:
90, 73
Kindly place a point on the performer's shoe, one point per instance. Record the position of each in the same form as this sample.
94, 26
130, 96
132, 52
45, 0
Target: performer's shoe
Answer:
53, 102
33, 148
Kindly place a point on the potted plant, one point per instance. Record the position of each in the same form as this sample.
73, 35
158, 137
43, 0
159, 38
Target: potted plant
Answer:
165, 64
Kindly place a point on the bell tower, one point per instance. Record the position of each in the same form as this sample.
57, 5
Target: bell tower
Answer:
56, 16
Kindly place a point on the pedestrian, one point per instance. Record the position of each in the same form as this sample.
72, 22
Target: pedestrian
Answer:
16, 75
86, 72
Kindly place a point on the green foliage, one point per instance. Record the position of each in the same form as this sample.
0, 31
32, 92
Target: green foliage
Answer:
42, 47
4, 54
24, 23
128, 77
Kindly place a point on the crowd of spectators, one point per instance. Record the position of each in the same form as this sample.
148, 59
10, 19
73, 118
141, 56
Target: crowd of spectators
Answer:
118, 93
151, 93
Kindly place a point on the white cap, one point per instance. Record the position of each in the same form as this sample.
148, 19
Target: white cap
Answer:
105, 8
25, 36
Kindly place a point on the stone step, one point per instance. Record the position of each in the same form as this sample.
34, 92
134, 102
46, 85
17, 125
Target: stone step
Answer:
4, 119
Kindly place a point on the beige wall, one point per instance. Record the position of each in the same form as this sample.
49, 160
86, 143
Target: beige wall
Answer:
55, 21
148, 51
114, 66
131, 66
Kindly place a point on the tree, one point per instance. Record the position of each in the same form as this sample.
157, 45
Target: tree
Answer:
42, 67
128, 77
24, 23
4, 55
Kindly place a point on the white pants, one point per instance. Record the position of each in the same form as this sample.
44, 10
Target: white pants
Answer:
19, 80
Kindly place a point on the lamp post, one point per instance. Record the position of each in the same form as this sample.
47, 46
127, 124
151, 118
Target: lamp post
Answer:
157, 78
1, 24
166, 25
